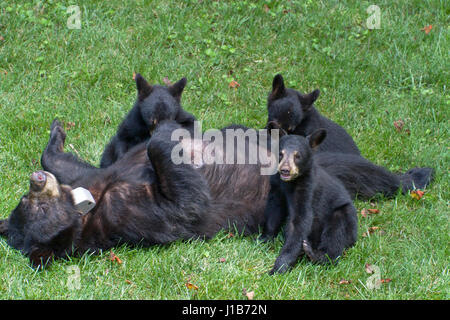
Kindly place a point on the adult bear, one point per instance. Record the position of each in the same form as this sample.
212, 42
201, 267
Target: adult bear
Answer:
146, 199
142, 199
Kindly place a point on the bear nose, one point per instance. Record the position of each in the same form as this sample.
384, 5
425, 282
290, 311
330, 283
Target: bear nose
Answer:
38, 180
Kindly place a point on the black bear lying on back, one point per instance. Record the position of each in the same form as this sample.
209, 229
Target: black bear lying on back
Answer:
320, 217
294, 113
145, 199
153, 105
142, 199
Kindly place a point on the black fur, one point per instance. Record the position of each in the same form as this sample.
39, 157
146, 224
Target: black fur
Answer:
296, 114
320, 218
141, 199
153, 105
365, 180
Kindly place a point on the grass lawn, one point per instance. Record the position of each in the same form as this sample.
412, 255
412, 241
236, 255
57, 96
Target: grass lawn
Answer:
368, 79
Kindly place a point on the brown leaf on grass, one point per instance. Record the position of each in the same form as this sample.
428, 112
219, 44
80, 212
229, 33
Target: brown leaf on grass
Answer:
343, 281
366, 212
369, 268
385, 280
191, 286
222, 260
249, 294
167, 82
417, 194
134, 75
234, 84
2, 38
399, 124
371, 230
69, 125
113, 257
427, 29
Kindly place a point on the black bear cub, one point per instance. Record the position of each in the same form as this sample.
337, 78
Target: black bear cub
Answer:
154, 104
319, 215
295, 113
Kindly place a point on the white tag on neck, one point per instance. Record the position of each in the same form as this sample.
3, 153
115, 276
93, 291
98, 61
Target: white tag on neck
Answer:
83, 200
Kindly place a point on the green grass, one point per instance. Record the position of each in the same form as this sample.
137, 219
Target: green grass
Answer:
368, 80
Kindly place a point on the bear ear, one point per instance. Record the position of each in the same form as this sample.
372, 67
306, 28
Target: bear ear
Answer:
3, 228
278, 88
42, 254
143, 87
177, 88
308, 99
317, 137
273, 125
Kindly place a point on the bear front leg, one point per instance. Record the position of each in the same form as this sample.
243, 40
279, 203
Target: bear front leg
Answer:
274, 214
297, 229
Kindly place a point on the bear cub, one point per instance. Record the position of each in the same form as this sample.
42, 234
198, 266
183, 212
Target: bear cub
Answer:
295, 113
154, 104
318, 212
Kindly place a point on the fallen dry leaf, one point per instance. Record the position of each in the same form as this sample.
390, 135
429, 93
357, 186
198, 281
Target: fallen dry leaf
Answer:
191, 286
343, 281
371, 230
369, 268
234, 84
385, 280
249, 294
166, 81
427, 29
399, 124
134, 75
365, 212
113, 257
417, 194
69, 125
